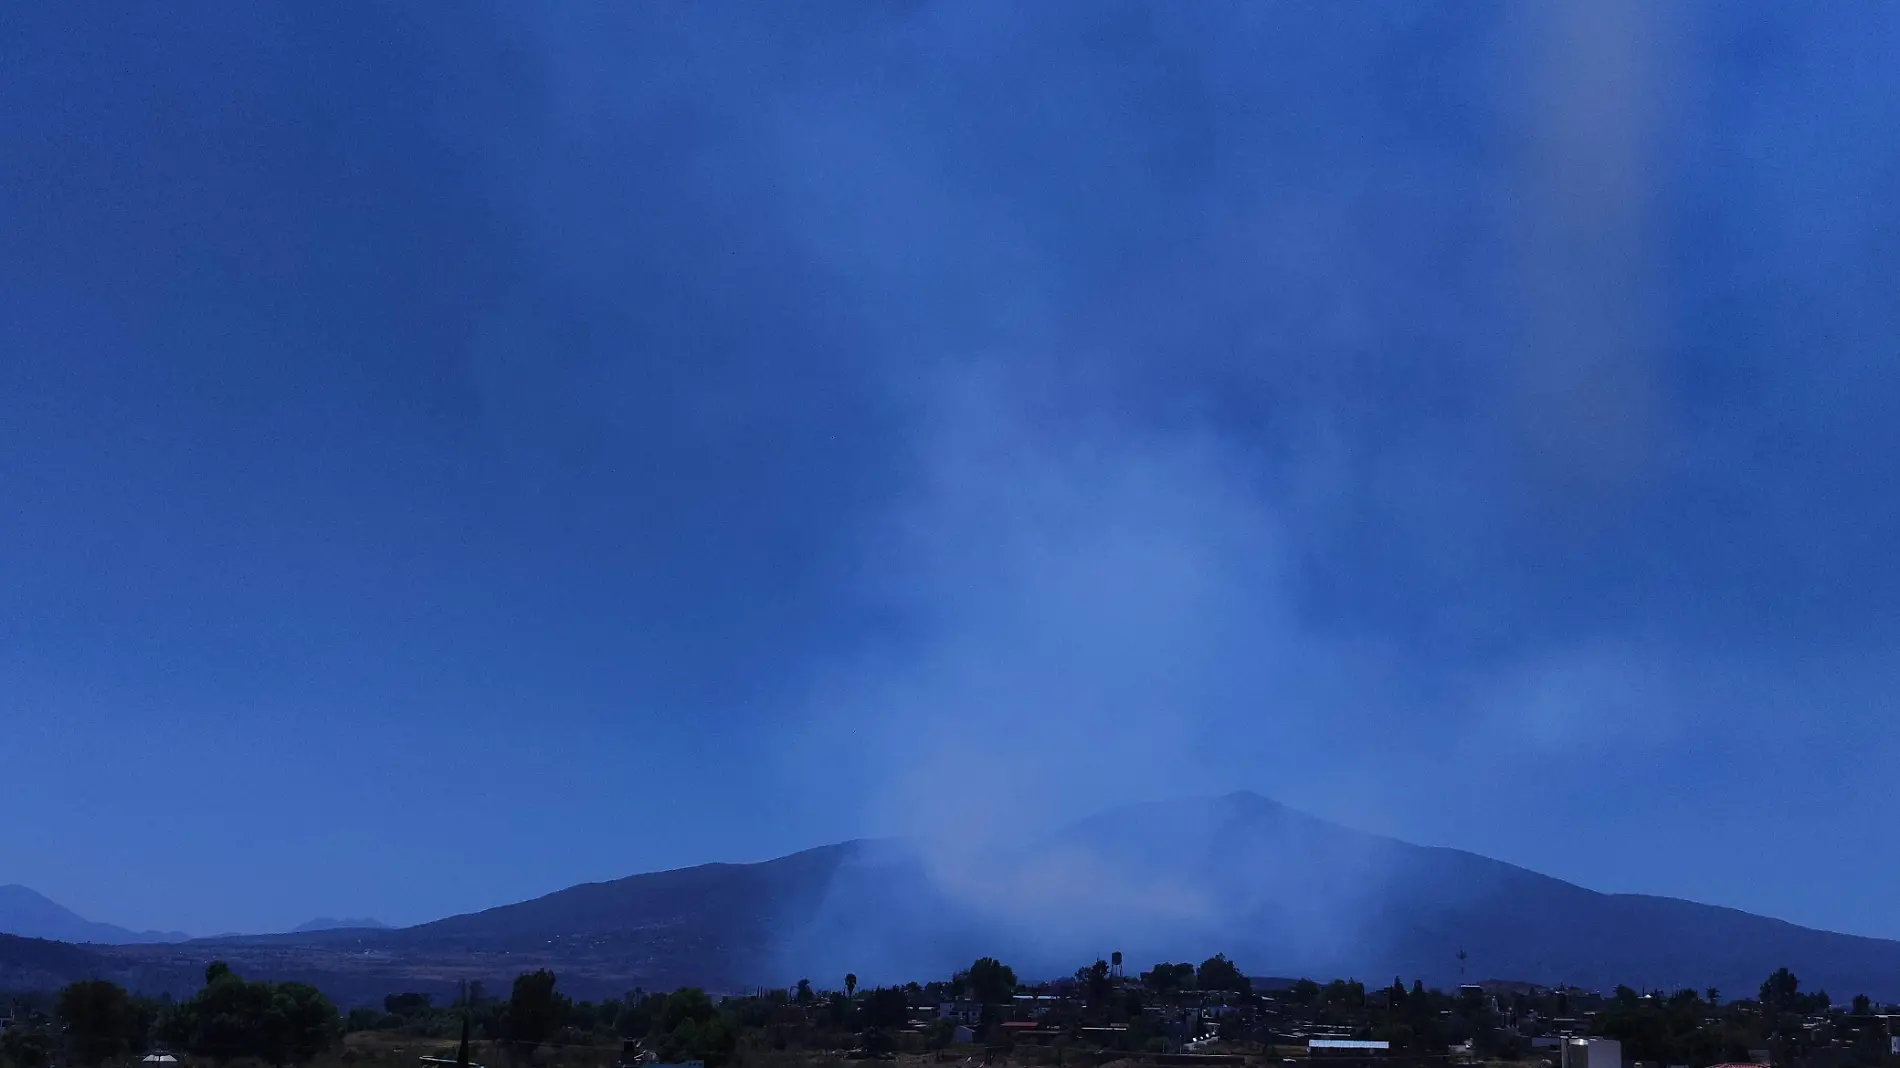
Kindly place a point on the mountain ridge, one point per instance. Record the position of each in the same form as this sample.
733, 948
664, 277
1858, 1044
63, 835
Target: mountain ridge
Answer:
27, 913
1279, 890
329, 923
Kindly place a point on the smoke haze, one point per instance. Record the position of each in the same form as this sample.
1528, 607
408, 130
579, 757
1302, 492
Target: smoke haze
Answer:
717, 433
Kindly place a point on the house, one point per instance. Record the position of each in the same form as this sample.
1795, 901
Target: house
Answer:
1033, 1006
1592, 1053
1318, 1048
962, 1011
1030, 1031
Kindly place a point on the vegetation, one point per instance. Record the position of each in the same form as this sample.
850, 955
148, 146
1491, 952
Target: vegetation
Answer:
535, 1012
103, 1021
990, 981
95, 1022
24, 1047
277, 1023
1219, 973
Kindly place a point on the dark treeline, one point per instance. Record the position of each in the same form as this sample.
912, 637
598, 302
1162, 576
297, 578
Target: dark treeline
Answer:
230, 1019
94, 1021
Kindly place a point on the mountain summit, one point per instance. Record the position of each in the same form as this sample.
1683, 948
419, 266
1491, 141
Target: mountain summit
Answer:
328, 923
1280, 891
30, 914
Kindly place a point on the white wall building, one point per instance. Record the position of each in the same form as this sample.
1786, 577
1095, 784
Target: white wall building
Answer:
1593, 1053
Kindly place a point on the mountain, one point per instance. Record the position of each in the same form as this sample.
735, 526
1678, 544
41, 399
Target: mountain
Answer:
30, 914
1280, 891
1277, 889
1293, 893
326, 923
39, 964
1286, 893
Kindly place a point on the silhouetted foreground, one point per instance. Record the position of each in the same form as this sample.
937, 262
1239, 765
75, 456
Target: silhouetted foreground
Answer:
1170, 1014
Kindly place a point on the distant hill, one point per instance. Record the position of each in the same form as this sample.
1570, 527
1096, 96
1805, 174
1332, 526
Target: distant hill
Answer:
1291, 893
326, 923
1285, 893
30, 914
1280, 891
38, 964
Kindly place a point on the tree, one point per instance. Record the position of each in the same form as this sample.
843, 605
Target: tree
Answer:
363, 1018
1780, 990
1714, 996
26, 1048
1219, 973
688, 1003
230, 1018
1863, 1006
991, 981
939, 1034
1167, 978
1344, 993
689, 1028
99, 1020
1094, 983
225, 1020
850, 984
641, 1012
406, 1004
804, 995
299, 1024
536, 1010
887, 1007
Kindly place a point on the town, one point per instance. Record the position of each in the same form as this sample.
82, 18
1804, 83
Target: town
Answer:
1178, 1015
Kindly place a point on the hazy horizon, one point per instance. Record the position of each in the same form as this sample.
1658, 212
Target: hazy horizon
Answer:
451, 453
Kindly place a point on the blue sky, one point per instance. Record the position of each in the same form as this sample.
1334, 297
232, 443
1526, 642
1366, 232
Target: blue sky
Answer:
453, 453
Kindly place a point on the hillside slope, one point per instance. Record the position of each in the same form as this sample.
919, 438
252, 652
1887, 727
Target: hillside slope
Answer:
1286, 893
331, 923
1280, 891
27, 913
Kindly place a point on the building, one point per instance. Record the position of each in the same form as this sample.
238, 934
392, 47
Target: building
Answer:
1033, 1006
969, 1012
1029, 1031
1592, 1053
1346, 1047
